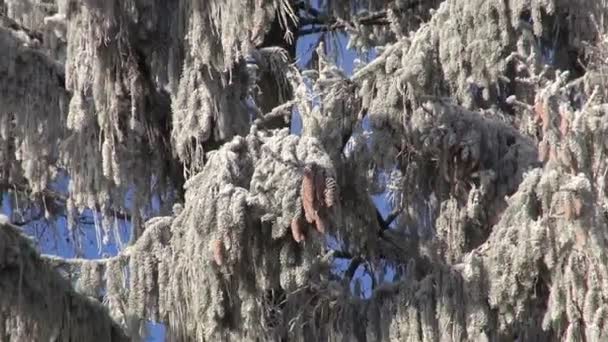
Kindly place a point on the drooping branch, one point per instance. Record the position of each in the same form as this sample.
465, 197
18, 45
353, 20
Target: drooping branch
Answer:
37, 301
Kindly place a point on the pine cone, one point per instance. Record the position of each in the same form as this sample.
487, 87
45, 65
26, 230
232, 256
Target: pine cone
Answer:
569, 209
564, 126
578, 206
218, 251
319, 187
318, 193
330, 192
320, 224
543, 151
297, 230
308, 195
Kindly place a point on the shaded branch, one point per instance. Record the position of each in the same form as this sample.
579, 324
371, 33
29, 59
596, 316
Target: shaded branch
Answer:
13, 25
30, 43
22, 223
384, 225
278, 117
52, 310
352, 268
332, 24
341, 255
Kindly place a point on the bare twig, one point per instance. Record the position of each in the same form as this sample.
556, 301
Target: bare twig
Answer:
352, 268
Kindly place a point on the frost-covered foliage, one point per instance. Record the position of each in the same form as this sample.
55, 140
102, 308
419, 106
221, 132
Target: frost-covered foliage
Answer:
461, 51
31, 108
38, 303
473, 54
375, 23
229, 258
29, 13
134, 71
43, 18
476, 119
250, 259
331, 119
218, 35
498, 292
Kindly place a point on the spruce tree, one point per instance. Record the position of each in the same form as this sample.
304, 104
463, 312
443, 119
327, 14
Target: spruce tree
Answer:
482, 123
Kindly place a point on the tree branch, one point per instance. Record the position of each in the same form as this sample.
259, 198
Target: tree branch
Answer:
13, 25
384, 225
74, 263
352, 268
29, 43
332, 24
41, 300
341, 255
278, 116
148, 235
50, 195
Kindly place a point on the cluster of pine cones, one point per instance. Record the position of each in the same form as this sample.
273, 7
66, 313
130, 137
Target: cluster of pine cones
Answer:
318, 196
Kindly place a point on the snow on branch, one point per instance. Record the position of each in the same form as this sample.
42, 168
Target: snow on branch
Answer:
33, 96
38, 302
236, 220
